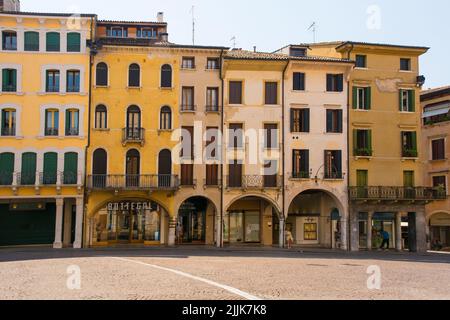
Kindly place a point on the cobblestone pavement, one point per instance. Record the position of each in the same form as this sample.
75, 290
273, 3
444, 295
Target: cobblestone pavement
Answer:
204, 274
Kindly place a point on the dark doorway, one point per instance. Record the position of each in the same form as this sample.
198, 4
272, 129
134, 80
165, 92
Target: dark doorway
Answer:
165, 168
192, 221
412, 236
99, 168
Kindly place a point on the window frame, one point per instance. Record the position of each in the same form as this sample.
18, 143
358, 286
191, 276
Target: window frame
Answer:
56, 79
48, 46
188, 63
165, 118
51, 131
101, 117
301, 86
217, 63
231, 98
72, 74
32, 47
438, 154
409, 64
164, 73
11, 120
361, 56
12, 75
268, 99
9, 45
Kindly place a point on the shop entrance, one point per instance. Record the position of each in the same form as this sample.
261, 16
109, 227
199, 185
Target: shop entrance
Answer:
192, 221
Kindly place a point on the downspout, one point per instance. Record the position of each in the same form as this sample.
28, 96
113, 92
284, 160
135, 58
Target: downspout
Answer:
283, 156
350, 233
220, 239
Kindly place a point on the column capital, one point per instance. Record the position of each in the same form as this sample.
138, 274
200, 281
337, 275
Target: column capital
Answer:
79, 202
59, 202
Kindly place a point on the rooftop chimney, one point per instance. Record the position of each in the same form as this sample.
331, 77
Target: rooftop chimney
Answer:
10, 5
164, 37
160, 17
254, 49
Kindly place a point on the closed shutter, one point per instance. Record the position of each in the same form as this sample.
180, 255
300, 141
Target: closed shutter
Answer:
134, 76
235, 175
53, 42
408, 179
5, 78
101, 74
6, 168
271, 93
187, 174
299, 81
28, 174
187, 143
50, 168
31, 41
70, 168
355, 141
292, 120
271, 137
73, 42
362, 178
166, 76
414, 140
235, 92
212, 174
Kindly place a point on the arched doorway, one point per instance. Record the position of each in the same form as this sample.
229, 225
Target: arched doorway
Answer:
196, 221
132, 168
250, 220
99, 168
165, 168
440, 231
133, 221
315, 220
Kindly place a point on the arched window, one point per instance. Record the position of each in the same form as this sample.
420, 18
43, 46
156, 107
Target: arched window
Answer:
166, 76
133, 168
99, 168
166, 118
133, 129
134, 76
101, 119
101, 75
8, 124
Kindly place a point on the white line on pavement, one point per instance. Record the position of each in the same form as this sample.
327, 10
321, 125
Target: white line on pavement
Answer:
235, 291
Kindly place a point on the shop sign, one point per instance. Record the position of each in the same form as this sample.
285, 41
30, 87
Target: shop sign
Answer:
130, 206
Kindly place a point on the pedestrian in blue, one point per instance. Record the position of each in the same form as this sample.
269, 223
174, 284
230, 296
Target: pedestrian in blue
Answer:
386, 237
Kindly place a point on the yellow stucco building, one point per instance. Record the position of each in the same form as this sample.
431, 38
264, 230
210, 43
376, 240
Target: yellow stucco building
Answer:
44, 102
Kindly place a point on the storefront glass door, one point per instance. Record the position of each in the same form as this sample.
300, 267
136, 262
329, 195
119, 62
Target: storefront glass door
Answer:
242, 227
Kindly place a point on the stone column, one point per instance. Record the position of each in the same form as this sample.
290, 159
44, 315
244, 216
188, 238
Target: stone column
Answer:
282, 238
369, 230
79, 224
398, 232
58, 224
354, 232
421, 233
344, 233
172, 231
162, 236
219, 230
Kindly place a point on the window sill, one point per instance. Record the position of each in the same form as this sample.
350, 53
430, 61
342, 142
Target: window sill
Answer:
101, 130
406, 71
235, 105
363, 158
334, 92
334, 180
101, 87
298, 91
212, 70
51, 93
300, 133
133, 88
438, 160
360, 110
75, 93
361, 68
415, 159
299, 179
6, 93
407, 112
166, 88
188, 111
333, 133
272, 105
11, 137
160, 131
188, 69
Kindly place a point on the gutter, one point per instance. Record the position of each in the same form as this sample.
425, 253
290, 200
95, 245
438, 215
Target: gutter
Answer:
283, 139
349, 223
220, 240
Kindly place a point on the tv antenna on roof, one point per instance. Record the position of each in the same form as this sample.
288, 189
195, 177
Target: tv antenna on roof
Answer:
234, 42
313, 28
193, 24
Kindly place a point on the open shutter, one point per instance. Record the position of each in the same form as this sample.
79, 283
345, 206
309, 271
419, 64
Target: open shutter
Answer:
414, 140
340, 84
6, 168
4, 79
368, 105
355, 98
305, 160
50, 168
400, 100
329, 82
306, 120
68, 122
355, 139
369, 139
329, 120
412, 100
340, 121
14, 79
292, 120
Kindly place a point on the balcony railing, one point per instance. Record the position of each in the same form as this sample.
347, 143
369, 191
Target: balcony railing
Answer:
212, 108
133, 135
39, 179
133, 182
212, 182
363, 152
333, 176
188, 108
410, 153
301, 175
51, 132
72, 132
397, 193
8, 131
253, 182
9, 88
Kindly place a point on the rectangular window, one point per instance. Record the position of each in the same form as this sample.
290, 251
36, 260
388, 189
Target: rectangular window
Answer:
362, 140
409, 145
51, 122
408, 179
212, 143
335, 82
212, 99
235, 92
52, 81
310, 232
9, 41
31, 41
187, 103
270, 136
53, 42
212, 175
213, 64
101, 121
334, 121
333, 164
300, 120
271, 93
72, 123
117, 32
362, 98
73, 42
236, 136
187, 143
187, 175
8, 123
9, 80
73, 81
440, 182
298, 52
148, 33
405, 64
299, 81
438, 149
407, 100
235, 174
361, 61
188, 63
300, 164
270, 174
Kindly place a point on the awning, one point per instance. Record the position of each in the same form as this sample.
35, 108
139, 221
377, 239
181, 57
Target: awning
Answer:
436, 110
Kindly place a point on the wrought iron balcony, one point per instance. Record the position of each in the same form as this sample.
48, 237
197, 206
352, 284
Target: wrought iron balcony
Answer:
133, 182
397, 193
212, 108
40, 179
301, 175
9, 88
363, 152
72, 132
410, 153
212, 182
254, 182
51, 132
133, 135
8, 132
188, 108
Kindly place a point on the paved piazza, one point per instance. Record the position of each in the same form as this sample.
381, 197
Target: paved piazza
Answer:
231, 274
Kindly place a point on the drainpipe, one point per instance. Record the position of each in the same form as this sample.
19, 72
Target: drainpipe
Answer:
283, 176
350, 230
220, 239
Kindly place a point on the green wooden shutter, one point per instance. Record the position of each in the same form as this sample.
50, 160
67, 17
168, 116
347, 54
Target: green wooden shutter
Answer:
362, 178
73, 42
340, 121
355, 140
68, 122
53, 42
28, 173
355, 98
6, 168
368, 105
412, 100
414, 140
50, 168
408, 179
4, 79
307, 120
70, 168
400, 100
31, 41
369, 139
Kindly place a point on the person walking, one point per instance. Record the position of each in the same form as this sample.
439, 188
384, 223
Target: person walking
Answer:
289, 238
386, 239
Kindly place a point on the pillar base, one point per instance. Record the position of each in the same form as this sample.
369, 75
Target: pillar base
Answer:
57, 245
77, 245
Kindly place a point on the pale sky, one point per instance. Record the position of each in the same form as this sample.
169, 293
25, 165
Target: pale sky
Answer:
271, 24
